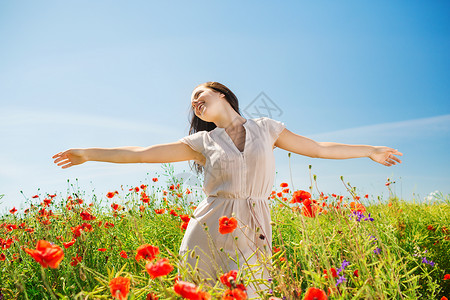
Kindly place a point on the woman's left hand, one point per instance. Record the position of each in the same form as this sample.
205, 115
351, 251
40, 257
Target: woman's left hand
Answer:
385, 155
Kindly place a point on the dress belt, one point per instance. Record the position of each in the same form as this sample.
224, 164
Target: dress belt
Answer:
238, 198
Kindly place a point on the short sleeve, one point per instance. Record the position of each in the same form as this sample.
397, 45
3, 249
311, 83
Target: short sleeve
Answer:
274, 128
195, 141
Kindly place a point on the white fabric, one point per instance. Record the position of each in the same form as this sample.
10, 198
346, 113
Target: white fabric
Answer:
236, 184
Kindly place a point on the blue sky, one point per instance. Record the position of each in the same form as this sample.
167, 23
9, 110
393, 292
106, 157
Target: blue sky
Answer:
78, 74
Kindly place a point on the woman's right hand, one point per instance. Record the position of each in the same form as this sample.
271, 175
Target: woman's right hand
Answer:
70, 158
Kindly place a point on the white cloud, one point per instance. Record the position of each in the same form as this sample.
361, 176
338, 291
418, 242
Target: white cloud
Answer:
418, 128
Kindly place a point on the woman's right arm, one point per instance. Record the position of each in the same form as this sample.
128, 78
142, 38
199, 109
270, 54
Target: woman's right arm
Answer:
162, 153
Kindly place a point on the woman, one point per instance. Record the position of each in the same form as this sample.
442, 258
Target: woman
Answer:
237, 157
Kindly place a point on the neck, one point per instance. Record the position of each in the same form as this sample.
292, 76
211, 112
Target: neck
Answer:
230, 120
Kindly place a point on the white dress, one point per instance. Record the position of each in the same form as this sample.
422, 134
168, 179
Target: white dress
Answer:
236, 184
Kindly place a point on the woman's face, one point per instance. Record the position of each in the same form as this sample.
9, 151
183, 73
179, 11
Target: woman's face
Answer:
207, 103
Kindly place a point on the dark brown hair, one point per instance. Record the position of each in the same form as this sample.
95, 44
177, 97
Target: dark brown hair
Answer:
198, 124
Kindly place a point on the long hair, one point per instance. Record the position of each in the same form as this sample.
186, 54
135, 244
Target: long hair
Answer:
198, 124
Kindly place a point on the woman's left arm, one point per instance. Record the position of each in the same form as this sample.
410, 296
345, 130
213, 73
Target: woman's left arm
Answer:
292, 142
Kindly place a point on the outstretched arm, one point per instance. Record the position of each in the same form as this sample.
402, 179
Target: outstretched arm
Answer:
162, 153
292, 142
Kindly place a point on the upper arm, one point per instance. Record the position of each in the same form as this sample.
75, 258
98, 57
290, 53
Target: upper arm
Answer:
292, 142
171, 152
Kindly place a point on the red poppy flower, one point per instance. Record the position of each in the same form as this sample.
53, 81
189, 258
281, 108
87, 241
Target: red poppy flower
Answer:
161, 268
308, 209
173, 213
46, 254
155, 179
13, 210
226, 277
35, 196
2, 257
285, 190
115, 206
86, 216
101, 249
184, 225
227, 225
333, 273
76, 260
300, 196
147, 252
315, 294
190, 291
68, 244
184, 218
237, 294
446, 276
120, 287
143, 186
108, 225
355, 273
110, 195
151, 296
444, 298
160, 211
123, 254
283, 184
357, 207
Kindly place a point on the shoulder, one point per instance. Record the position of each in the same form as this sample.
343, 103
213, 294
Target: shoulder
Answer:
267, 122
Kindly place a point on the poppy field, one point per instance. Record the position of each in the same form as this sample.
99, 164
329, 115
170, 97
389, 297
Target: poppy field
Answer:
124, 245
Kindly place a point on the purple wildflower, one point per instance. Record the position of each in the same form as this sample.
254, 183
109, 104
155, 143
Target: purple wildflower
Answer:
340, 280
369, 218
344, 264
426, 261
377, 250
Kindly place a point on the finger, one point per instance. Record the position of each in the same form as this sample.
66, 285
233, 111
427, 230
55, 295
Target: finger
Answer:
63, 162
67, 166
391, 161
57, 154
396, 159
59, 159
396, 152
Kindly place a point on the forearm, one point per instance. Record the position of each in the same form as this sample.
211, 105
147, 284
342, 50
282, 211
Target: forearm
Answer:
115, 155
343, 151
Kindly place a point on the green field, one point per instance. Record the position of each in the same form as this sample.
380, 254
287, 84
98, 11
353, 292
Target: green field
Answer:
400, 251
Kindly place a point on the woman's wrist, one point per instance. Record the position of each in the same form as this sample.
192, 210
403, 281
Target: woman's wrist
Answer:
370, 151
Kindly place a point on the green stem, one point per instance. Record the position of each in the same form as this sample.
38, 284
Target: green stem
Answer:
44, 278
